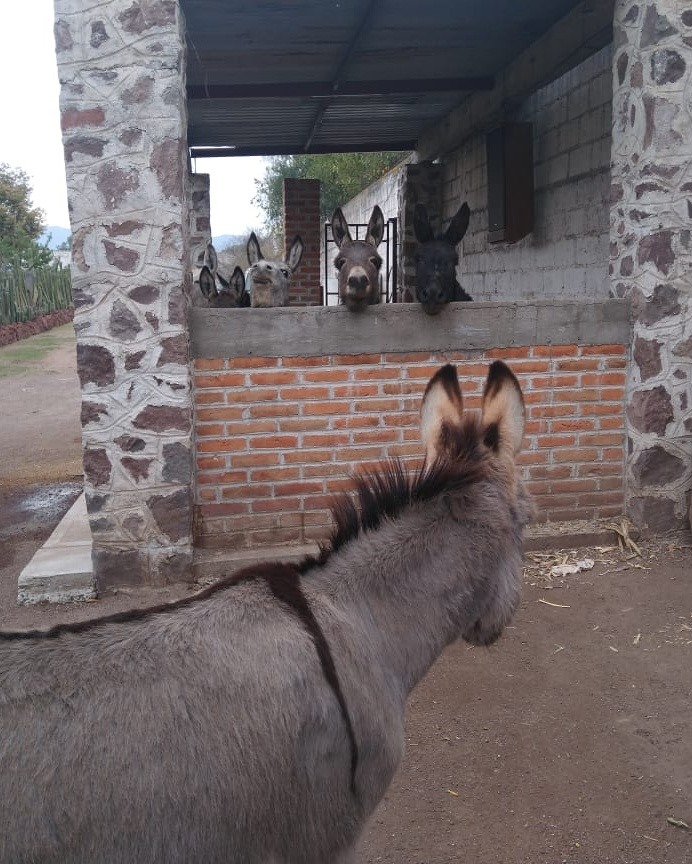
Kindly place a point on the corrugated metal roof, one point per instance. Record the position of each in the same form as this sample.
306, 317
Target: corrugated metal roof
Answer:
294, 76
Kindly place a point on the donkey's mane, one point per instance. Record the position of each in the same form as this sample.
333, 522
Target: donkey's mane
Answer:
383, 493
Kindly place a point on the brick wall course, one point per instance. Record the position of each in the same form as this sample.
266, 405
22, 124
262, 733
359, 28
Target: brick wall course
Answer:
273, 473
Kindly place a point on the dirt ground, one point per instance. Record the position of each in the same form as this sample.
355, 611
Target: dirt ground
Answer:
570, 740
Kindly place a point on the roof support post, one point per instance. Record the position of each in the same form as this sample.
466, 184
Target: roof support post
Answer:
651, 251
121, 66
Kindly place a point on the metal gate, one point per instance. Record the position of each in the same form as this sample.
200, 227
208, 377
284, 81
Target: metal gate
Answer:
388, 274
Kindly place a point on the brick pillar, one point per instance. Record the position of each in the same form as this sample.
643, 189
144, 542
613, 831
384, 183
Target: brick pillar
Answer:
200, 218
121, 65
302, 216
651, 250
420, 182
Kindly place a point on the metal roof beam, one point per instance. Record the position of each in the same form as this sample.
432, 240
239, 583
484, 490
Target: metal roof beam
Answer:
359, 147
325, 89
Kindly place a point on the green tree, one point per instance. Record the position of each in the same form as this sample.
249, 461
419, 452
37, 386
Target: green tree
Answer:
20, 224
341, 176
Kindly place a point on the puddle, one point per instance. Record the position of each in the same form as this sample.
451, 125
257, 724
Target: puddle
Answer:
49, 503
36, 507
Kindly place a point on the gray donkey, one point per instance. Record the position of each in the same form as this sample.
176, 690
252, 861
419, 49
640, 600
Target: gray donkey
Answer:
358, 262
268, 280
261, 720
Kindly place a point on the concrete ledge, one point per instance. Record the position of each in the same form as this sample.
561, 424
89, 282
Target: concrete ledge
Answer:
404, 327
61, 571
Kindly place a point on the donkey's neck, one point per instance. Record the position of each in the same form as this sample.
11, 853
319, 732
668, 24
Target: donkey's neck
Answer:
406, 589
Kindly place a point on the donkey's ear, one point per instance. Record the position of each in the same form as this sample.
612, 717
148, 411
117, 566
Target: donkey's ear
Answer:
375, 231
254, 254
295, 253
210, 258
503, 414
459, 225
421, 224
207, 283
340, 230
440, 412
237, 282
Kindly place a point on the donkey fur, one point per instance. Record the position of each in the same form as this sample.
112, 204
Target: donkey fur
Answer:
209, 732
436, 259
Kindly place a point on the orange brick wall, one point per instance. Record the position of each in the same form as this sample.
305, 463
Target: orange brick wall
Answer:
277, 437
301, 204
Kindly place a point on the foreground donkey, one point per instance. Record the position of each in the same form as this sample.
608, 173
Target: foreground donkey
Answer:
261, 721
436, 259
358, 261
268, 281
217, 291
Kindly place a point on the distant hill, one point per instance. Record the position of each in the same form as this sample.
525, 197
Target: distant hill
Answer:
224, 240
54, 236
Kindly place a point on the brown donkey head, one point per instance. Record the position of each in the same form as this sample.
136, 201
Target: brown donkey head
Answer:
268, 281
485, 449
358, 261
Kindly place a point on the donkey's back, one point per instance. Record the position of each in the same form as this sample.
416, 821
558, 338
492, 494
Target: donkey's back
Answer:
207, 734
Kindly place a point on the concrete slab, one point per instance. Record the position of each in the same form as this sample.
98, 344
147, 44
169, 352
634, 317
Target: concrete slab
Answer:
61, 571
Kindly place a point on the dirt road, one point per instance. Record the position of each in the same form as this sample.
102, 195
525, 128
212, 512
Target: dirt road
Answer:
570, 740
40, 432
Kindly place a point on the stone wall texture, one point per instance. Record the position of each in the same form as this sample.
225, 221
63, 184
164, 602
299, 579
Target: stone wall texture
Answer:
651, 249
199, 218
121, 66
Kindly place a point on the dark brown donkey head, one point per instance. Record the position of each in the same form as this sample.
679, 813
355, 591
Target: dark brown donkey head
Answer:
358, 261
436, 259
217, 291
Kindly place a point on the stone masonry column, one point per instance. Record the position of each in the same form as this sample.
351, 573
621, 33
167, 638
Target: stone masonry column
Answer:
121, 65
651, 250
302, 216
200, 218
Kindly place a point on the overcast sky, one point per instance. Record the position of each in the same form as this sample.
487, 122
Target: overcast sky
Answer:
30, 132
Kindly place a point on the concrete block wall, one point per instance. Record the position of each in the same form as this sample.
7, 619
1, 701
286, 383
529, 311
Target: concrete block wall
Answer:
278, 436
567, 254
384, 192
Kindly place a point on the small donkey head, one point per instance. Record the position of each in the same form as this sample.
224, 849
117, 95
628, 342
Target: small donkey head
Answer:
219, 292
436, 259
267, 281
358, 261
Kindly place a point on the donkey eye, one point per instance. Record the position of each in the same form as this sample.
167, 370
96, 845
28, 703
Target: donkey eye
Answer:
376, 262
339, 263
284, 271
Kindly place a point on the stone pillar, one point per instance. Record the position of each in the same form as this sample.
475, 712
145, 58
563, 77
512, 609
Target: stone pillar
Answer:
651, 250
420, 182
302, 216
121, 65
200, 218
